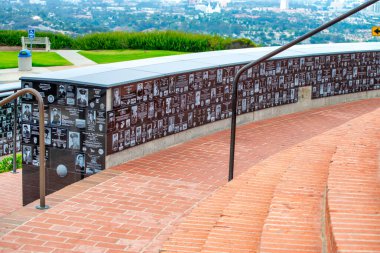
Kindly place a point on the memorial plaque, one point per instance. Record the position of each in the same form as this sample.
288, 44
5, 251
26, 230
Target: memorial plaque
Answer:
75, 119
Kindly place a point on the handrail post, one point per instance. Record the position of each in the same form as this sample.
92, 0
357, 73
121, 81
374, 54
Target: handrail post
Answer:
40, 101
266, 57
15, 124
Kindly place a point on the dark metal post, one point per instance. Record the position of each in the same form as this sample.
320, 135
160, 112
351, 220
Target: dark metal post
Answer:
15, 124
266, 57
40, 101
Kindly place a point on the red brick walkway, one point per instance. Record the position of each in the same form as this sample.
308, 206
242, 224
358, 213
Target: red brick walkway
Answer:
136, 206
354, 191
11, 192
276, 205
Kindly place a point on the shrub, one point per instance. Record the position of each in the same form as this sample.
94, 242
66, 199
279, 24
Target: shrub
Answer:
157, 40
6, 164
240, 43
13, 38
154, 40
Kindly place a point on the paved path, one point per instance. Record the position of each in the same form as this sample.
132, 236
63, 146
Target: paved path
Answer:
11, 192
75, 58
13, 75
136, 206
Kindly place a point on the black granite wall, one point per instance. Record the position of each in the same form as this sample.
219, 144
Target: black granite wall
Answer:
75, 118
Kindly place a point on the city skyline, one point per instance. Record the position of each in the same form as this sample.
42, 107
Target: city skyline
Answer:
273, 22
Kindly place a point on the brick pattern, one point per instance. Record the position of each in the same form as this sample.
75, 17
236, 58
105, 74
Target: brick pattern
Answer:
135, 207
280, 211
11, 192
294, 220
231, 220
19, 215
206, 159
293, 223
354, 190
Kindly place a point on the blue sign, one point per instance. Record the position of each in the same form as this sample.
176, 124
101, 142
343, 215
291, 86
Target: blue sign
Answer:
31, 33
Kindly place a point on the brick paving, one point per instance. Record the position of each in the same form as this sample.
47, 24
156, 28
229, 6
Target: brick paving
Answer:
354, 191
276, 205
11, 192
136, 206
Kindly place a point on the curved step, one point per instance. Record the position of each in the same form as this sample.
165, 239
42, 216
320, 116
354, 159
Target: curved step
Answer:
354, 189
276, 206
294, 220
232, 218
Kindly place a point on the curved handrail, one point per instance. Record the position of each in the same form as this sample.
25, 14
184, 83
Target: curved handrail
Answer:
40, 101
266, 57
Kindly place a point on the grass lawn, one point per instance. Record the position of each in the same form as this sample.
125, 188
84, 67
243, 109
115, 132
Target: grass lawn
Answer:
9, 59
108, 56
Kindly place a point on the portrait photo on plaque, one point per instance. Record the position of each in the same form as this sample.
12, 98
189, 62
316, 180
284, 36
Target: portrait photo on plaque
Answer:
35, 135
91, 117
116, 97
27, 154
82, 97
9, 135
111, 121
26, 112
55, 116
28, 96
47, 136
127, 137
6, 149
156, 88
219, 76
59, 137
80, 163
26, 133
61, 91
74, 140
115, 141
134, 114
140, 91
138, 134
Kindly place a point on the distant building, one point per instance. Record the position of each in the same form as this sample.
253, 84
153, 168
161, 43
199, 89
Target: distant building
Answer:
37, 2
223, 3
193, 2
337, 4
72, 1
209, 9
284, 4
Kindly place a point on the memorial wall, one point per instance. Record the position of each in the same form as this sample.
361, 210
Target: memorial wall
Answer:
344, 73
75, 118
7, 118
156, 108
152, 109
81, 129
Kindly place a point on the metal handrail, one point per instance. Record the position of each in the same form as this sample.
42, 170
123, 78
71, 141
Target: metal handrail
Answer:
40, 101
266, 57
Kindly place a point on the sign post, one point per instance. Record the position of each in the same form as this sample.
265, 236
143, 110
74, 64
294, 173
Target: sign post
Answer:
376, 31
31, 35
